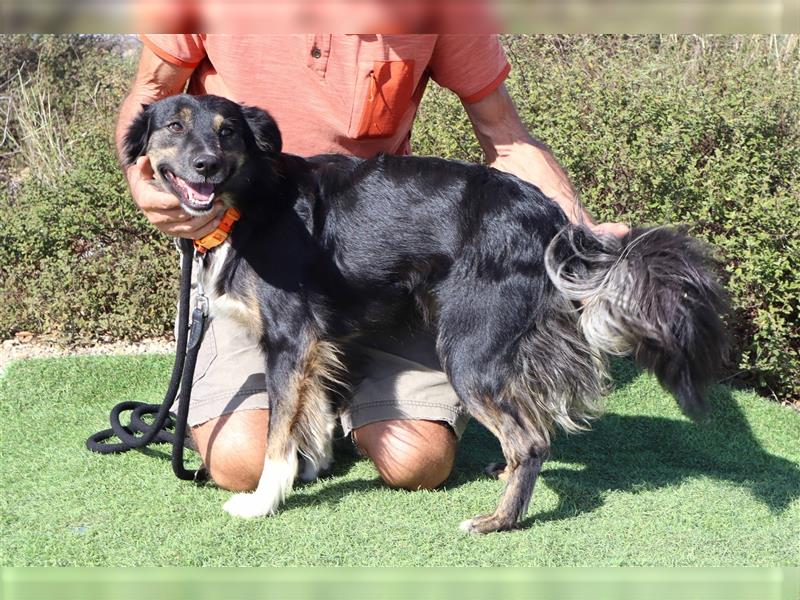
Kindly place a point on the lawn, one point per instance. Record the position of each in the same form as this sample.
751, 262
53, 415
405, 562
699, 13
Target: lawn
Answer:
644, 487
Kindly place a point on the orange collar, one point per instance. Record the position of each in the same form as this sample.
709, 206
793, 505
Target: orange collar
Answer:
220, 234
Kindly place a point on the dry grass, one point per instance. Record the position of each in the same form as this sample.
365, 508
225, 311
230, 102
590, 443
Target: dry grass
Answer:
40, 136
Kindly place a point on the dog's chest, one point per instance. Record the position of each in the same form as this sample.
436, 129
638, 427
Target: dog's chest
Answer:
223, 303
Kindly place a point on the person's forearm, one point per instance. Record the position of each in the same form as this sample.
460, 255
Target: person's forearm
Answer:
509, 147
532, 161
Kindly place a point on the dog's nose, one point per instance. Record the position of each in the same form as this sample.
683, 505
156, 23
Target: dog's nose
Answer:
206, 164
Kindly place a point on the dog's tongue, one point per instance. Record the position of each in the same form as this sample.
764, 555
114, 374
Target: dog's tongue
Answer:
196, 195
201, 191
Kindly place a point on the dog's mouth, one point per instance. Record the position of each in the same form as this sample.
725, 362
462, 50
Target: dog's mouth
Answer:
197, 198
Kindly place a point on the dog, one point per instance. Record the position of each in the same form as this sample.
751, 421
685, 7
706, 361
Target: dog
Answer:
525, 307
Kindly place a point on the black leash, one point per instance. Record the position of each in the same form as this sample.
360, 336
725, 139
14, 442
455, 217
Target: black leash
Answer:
166, 428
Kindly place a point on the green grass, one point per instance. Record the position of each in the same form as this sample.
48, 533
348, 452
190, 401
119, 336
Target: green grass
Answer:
644, 487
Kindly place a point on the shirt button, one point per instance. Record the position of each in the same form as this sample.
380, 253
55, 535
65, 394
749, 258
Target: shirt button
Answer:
316, 52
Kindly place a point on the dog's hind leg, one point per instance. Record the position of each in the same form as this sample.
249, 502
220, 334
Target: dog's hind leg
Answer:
521, 368
524, 455
524, 452
316, 421
481, 369
297, 376
317, 454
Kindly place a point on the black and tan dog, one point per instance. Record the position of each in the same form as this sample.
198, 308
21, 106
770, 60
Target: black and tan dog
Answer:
523, 305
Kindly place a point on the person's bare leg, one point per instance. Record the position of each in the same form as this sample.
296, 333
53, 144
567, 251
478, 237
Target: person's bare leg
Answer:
409, 454
233, 447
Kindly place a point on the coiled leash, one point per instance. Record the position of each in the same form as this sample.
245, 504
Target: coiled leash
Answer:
166, 428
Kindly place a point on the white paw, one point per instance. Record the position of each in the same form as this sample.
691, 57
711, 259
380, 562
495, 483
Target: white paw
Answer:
467, 526
248, 506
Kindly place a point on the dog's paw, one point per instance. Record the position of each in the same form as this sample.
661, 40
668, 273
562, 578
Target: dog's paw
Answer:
485, 524
497, 470
465, 526
312, 471
248, 506
309, 473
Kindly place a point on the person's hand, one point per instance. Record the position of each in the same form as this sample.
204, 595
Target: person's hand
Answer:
615, 229
164, 210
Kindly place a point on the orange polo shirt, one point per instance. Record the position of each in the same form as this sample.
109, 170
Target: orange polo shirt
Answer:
352, 94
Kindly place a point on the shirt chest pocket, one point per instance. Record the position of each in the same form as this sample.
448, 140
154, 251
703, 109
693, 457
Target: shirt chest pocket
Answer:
389, 89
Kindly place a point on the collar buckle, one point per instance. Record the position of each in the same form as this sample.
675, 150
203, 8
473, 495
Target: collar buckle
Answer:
219, 235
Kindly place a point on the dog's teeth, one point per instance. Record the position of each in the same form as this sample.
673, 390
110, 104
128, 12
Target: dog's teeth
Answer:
191, 195
211, 197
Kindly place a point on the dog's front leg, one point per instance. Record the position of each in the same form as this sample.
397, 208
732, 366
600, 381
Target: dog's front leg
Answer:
273, 487
280, 468
289, 362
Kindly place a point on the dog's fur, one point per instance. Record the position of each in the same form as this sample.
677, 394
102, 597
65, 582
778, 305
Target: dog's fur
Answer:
524, 305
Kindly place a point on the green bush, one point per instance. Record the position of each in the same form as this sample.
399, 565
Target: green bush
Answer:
76, 257
83, 262
652, 129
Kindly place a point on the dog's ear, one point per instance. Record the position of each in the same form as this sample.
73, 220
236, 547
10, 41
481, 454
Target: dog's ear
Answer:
265, 131
135, 142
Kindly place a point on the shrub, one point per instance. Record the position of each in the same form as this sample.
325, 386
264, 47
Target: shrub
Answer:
77, 259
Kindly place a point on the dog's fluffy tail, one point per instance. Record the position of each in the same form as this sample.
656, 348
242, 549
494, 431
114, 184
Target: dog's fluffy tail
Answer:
650, 294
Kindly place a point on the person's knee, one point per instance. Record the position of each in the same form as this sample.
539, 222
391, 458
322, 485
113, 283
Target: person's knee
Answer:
409, 454
233, 447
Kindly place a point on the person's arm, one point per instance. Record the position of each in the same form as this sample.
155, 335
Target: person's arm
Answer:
156, 79
509, 147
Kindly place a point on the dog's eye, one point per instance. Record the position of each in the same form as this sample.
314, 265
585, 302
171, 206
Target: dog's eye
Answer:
225, 131
175, 127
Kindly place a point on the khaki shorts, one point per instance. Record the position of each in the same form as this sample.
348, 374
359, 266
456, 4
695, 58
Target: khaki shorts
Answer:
400, 378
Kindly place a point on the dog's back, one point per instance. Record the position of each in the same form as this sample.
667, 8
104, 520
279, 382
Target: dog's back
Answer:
397, 227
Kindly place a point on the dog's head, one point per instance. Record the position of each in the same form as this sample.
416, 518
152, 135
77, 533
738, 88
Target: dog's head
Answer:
203, 147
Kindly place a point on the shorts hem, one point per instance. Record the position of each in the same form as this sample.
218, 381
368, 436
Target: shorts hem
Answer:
375, 412
205, 399
218, 405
